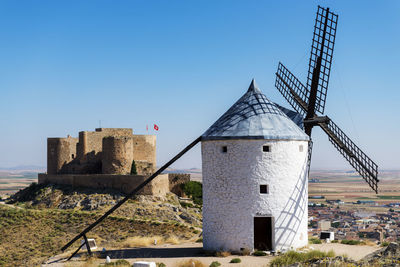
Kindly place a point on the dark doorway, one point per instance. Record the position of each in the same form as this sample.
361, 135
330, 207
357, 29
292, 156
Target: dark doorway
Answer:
263, 233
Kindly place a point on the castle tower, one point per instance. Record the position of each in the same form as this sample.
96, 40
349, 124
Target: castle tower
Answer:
60, 152
255, 186
117, 155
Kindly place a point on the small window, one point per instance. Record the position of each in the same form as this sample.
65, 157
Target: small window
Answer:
263, 189
73, 156
301, 148
224, 149
266, 148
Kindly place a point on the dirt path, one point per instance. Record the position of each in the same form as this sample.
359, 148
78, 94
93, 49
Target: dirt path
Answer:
171, 255
354, 252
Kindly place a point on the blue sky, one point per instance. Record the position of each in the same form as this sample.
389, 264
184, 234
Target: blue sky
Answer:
65, 65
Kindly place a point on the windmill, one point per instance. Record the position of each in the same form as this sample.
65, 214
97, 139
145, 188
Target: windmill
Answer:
309, 100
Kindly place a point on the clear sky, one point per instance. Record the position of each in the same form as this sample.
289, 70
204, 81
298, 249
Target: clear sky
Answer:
66, 65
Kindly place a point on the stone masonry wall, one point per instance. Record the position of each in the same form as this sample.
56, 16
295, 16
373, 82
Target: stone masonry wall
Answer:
60, 151
124, 183
117, 155
144, 148
175, 182
91, 143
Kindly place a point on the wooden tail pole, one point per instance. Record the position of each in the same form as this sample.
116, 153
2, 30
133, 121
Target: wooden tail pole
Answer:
131, 194
76, 251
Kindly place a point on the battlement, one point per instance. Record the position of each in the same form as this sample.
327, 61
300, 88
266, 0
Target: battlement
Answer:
105, 150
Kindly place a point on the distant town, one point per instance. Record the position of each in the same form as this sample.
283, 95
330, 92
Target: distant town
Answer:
340, 207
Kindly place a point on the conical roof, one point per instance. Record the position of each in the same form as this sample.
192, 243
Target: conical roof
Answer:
253, 116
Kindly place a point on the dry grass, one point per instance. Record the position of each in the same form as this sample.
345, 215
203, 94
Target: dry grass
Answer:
191, 263
173, 240
222, 254
29, 236
369, 243
141, 241
144, 241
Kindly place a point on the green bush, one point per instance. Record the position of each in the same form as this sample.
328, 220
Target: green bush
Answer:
351, 242
186, 204
336, 224
335, 241
259, 253
314, 241
194, 190
200, 240
292, 257
160, 264
215, 264
235, 260
133, 168
385, 244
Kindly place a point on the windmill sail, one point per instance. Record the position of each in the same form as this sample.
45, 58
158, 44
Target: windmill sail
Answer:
310, 99
353, 154
321, 54
292, 89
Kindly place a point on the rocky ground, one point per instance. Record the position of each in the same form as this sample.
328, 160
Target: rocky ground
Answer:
38, 220
166, 209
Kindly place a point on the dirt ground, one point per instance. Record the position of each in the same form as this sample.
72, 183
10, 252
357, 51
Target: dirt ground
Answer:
172, 255
352, 251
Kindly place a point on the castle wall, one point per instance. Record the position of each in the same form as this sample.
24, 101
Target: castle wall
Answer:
144, 167
124, 183
60, 151
144, 148
91, 143
117, 155
175, 182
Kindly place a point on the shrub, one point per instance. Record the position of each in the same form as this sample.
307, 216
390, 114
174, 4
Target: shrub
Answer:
200, 240
352, 242
244, 252
133, 168
335, 224
335, 241
194, 190
191, 263
385, 244
186, 204
315, 241
259, 253
222, 254
292, 257
235, 260
215, 264
160, 264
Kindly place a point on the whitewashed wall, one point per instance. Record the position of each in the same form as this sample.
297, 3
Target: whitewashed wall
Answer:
231, 192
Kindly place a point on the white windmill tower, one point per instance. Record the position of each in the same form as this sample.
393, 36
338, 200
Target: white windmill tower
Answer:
255, 186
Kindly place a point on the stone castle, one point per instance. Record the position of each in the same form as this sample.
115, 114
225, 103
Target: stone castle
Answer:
103, 159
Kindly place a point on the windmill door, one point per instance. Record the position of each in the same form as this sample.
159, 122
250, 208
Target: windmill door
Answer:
263, 233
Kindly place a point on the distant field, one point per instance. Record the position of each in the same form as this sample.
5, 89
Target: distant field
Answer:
350, 187
10, 184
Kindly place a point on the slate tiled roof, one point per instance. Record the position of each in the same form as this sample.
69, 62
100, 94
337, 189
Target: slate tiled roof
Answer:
253, 116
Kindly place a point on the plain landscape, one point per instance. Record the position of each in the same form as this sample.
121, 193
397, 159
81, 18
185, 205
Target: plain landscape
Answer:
40, 219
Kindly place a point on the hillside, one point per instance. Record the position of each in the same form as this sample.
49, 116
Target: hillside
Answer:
39, 220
